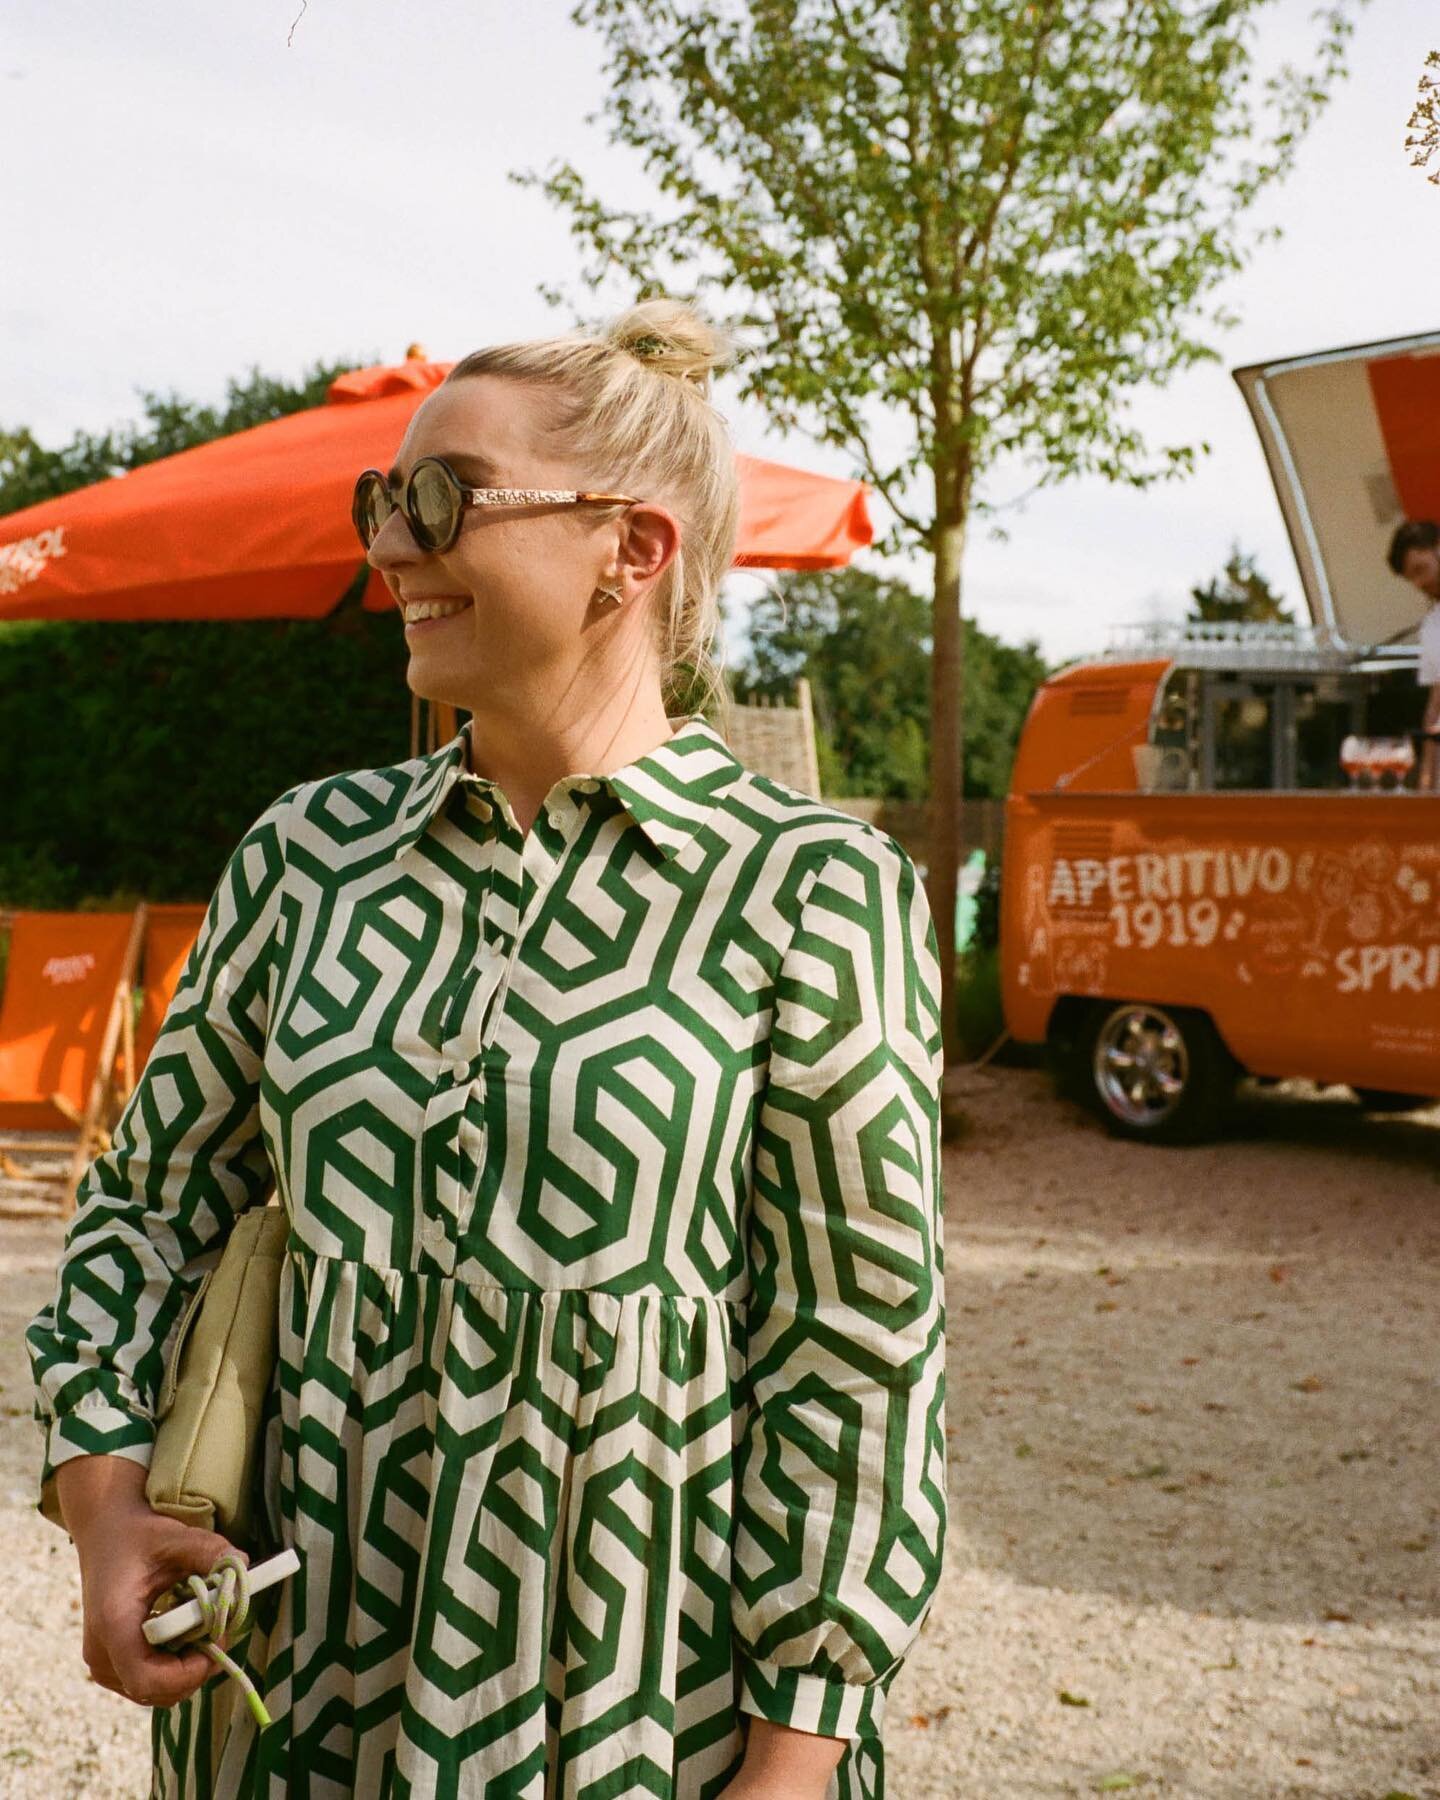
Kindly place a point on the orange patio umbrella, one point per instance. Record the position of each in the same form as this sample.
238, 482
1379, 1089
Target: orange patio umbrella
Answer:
258, 525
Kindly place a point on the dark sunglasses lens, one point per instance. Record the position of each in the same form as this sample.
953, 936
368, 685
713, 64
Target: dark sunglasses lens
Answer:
434, 506
371, 509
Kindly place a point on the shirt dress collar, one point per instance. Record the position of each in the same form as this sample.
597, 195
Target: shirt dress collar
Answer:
668, 792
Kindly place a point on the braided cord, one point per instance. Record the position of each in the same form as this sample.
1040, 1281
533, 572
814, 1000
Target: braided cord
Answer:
223, 1597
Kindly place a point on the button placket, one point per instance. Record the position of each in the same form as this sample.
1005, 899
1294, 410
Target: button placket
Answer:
447, 1136
522, 867
536, 855
440, 1159
494, 956
457, 1191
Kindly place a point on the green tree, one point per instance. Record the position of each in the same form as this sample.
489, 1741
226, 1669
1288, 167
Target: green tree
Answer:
1238, 595
864, 642
30, 473
951, 232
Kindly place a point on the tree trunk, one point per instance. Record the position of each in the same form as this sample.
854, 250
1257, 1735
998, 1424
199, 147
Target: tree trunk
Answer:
947, 726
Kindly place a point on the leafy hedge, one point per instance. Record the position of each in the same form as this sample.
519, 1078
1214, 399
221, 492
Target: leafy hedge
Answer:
135, 756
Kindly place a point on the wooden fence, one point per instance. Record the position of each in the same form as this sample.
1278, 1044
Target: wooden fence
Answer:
982, 823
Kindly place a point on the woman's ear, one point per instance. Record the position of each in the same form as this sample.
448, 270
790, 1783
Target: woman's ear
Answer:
648, 539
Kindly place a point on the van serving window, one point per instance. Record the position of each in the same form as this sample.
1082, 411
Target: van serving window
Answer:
1282, 733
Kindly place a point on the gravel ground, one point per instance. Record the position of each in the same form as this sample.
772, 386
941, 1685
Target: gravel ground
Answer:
1195, 1510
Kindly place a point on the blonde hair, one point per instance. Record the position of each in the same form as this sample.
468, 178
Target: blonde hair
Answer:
634, 409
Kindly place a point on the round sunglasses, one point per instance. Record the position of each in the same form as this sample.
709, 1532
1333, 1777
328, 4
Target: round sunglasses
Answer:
434, 499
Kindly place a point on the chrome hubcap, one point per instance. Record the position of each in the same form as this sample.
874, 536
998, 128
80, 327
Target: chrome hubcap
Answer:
1140, 1064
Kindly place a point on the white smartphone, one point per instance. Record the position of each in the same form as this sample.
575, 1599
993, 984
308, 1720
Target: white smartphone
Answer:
166, 1626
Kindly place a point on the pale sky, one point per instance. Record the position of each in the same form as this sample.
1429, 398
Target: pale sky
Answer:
184, 196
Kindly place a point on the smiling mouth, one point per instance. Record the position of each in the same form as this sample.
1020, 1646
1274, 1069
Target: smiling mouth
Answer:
419, 612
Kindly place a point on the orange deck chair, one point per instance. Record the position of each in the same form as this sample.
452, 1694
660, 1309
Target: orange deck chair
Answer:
65, 1019
170, 934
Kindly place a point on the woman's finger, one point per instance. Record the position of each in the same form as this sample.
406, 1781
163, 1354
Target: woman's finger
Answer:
190, 1552
146, 1687
99, 1667
161, 1678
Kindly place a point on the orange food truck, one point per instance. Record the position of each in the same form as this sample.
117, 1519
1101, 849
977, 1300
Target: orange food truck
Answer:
1216, 860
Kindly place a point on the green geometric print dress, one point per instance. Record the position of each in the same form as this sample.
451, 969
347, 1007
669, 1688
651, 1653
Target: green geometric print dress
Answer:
610, 1397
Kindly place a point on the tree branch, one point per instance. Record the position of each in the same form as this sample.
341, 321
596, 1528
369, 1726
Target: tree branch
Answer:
871, 58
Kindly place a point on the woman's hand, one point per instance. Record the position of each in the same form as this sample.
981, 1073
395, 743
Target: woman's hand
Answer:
129, 1556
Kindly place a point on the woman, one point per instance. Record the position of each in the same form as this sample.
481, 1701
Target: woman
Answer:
600, 1079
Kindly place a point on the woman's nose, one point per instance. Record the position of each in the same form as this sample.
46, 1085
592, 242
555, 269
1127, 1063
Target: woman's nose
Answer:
392, 546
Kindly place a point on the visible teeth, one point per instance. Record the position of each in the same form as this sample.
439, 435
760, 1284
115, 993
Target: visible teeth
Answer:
433, 609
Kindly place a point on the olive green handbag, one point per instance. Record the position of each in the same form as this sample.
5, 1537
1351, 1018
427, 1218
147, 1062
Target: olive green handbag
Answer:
202, 1469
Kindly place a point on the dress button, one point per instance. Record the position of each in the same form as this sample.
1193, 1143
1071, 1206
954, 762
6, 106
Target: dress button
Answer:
437, 1244
460, 1069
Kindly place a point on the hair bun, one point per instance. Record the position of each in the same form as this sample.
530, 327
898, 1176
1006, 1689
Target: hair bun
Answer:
672, 339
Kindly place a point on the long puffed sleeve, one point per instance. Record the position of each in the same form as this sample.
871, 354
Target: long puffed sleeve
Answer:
841, 1480
186, 1159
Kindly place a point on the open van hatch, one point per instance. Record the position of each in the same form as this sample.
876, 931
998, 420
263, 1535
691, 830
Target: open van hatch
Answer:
1350, 437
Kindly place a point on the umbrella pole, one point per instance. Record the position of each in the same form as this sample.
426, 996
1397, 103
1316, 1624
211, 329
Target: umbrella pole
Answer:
433, 726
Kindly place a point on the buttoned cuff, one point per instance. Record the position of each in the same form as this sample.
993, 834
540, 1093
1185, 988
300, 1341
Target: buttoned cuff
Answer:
91, 1431
816, 1703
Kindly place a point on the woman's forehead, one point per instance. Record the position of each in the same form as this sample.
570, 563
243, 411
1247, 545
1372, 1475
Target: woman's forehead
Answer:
488, 424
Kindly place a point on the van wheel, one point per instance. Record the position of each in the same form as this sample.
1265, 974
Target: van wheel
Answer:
1158, 1075
1385, 1100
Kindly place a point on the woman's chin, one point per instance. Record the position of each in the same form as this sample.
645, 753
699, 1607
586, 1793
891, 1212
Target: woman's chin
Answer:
441, 686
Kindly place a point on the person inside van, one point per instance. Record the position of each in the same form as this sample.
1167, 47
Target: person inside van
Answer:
1415, 557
